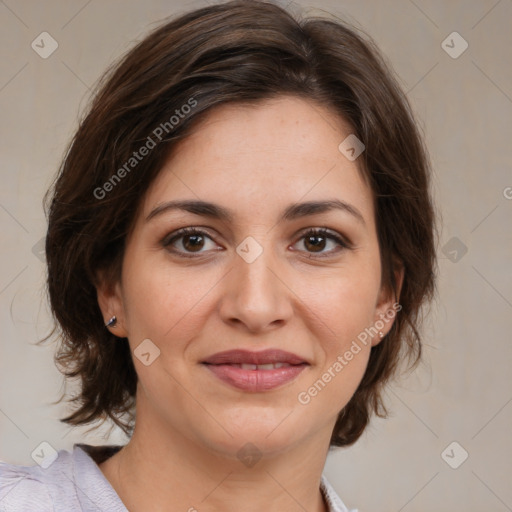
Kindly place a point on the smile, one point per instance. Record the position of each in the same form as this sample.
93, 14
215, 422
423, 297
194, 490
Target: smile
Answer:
255, 371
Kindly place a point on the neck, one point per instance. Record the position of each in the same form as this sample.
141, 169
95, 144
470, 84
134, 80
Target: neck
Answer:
164, 470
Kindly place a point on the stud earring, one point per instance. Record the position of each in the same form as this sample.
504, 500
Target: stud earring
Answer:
112, 322
381, 335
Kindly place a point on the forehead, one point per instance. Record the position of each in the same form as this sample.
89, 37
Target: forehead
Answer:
255, 156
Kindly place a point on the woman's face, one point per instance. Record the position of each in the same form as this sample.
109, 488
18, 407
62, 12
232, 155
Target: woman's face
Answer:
254, 280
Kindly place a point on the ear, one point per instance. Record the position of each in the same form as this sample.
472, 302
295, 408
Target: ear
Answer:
110, 301
387, 305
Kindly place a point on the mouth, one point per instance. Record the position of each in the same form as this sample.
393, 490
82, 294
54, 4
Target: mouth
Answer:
268, 366
265, 357
255, 371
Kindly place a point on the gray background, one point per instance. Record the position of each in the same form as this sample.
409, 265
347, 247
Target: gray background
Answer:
463, 390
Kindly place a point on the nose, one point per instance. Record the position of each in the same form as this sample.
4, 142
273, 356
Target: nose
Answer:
255, 296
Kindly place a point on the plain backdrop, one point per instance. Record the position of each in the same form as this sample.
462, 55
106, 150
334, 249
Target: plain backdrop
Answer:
463, 99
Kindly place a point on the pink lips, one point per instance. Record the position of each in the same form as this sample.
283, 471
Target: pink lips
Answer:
227, 366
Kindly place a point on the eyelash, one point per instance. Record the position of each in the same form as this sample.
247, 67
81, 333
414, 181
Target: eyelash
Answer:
170, 239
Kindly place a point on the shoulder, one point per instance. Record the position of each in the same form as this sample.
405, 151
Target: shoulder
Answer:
54, 484
25, 488
61, 482
333, 500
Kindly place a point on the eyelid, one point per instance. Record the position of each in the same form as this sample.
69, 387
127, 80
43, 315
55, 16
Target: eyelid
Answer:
181, 232
328, 233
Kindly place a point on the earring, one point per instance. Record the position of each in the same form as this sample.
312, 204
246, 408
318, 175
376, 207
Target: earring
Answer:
112, 322
380, 334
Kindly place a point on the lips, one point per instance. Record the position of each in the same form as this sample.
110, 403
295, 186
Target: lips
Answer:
255, 371
265, 357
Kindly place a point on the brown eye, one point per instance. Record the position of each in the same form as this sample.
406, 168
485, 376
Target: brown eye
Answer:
316, 240
315, 243
192, 242
187, 240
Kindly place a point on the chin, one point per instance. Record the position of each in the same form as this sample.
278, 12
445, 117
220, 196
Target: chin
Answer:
269, 436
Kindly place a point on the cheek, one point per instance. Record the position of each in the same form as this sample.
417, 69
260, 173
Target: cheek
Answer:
162, 301
344, 304
346, 309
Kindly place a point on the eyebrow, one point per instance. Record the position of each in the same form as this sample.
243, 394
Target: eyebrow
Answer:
292, 212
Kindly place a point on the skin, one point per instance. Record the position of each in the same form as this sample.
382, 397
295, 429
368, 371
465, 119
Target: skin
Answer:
307, 296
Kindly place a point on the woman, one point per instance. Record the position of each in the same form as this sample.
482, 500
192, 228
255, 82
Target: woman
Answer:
240, 238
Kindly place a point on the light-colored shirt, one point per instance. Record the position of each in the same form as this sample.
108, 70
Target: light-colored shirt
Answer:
74, 482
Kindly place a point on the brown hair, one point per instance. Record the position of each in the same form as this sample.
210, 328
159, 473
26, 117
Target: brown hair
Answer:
239, 51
